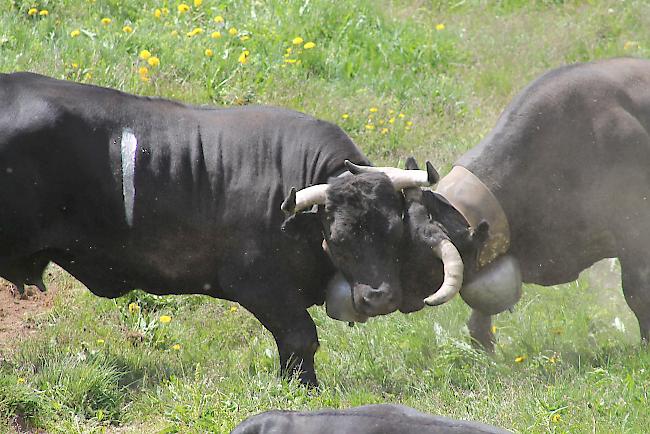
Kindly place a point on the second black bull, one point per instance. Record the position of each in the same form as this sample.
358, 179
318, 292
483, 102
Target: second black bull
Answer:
562, 181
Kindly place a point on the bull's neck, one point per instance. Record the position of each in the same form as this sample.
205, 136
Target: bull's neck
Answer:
476, 203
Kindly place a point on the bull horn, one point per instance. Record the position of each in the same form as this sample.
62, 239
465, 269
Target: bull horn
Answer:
296, 201
401, 178
453, 281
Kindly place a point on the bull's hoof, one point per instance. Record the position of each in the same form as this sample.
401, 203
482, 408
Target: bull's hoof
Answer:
486, 345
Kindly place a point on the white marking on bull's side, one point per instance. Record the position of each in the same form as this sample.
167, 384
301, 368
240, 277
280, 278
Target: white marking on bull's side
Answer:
128, 148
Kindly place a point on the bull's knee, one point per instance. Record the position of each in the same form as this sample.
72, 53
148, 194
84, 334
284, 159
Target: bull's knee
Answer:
480, 329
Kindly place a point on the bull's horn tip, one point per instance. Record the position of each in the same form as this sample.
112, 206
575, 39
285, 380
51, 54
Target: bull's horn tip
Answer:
289, 204
411, 164
430, 301
432, 174
353, 168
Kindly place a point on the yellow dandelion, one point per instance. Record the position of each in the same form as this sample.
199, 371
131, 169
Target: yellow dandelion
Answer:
208, 52
409, 123
165, 11
134, 307
182, 8
556, 418
552, 360
153, 61
20, 380
106, 21
143, 70
289, 50
244, 38
215, 35
100, 341
290, 61
157, 13
44, 13
243, 57
88, 76
198, 3
297, 40
391, 120
373, 110
401, 115
520, 359
345, 116
32, 12
74, 65
384, 130
218, 19
630, 45
75, 33
176, 347
145, 54
309, 45
370, 127
145, 78
233, 31
494, 329
233, 308
440, 27
127, 29
165, 319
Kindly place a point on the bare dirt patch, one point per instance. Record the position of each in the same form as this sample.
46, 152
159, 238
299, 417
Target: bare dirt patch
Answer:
17, 313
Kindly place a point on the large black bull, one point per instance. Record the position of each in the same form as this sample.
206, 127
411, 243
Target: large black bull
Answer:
562, 181
129, 192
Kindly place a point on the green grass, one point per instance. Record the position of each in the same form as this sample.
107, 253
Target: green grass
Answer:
97, 366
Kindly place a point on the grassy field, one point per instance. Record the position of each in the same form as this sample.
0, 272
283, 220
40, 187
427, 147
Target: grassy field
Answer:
423, 78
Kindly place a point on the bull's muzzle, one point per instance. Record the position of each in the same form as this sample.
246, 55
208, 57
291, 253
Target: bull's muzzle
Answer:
372, 301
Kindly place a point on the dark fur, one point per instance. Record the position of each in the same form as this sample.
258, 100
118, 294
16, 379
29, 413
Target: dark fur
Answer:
209, 183
368, 419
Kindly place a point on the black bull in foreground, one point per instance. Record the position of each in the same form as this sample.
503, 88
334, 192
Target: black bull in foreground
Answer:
367, 419
562, 181
130, 192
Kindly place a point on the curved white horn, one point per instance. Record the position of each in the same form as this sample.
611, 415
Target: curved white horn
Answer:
296, 201
453, 281
401, 178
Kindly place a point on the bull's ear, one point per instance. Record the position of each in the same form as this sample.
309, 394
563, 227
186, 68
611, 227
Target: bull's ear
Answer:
480, 234
304, 225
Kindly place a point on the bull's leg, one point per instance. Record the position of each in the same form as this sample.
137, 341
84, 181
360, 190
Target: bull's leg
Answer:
295, 335
480, 329
635, 274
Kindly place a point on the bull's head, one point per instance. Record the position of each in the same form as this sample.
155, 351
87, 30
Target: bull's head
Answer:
431, 220
361, 222
432, 268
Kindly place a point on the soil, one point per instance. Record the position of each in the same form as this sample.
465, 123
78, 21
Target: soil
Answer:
17, 313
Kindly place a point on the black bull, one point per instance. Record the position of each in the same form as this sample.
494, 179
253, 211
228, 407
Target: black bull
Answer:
569, 163
130, 192
367, 419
